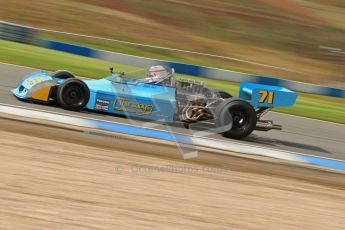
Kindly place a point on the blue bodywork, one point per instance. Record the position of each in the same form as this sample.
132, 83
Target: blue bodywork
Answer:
133, 98
267, 95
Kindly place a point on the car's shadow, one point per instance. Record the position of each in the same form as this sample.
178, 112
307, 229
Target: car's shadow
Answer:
258, 139
272, 142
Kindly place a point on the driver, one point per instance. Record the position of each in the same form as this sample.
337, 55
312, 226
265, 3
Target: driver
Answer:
158, 74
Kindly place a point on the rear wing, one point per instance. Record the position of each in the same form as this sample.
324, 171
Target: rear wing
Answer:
267, 95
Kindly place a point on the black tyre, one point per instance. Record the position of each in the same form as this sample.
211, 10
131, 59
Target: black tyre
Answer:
235, 118
63, 74
73, 94
221, 94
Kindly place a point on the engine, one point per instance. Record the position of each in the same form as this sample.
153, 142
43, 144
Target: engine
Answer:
195, 102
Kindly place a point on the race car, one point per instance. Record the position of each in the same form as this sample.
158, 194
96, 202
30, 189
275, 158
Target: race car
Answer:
160, 96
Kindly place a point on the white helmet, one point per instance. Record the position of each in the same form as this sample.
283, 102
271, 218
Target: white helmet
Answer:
158, 74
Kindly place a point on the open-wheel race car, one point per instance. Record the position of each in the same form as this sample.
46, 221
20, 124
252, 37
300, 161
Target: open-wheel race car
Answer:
161, 97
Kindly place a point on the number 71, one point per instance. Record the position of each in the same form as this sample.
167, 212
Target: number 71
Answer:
269, 95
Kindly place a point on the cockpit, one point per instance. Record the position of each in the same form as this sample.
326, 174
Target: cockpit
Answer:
157, 75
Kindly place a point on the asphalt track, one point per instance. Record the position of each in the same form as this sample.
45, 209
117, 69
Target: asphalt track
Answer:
302, 135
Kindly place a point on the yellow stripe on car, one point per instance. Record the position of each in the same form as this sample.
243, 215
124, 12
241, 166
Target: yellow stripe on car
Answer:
42, 94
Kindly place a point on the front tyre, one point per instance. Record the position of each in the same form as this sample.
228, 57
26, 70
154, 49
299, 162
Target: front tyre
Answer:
62, 74
235, 118
73, 94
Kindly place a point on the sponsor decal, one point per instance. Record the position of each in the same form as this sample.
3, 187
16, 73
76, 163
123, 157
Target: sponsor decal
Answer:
32, 81
102, 104
128, 106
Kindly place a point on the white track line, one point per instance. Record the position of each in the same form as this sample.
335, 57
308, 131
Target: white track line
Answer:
21, 66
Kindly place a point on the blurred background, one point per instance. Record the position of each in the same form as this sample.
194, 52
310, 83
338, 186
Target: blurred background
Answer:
304, 37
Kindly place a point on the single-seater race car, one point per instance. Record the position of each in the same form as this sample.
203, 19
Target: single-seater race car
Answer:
161, 97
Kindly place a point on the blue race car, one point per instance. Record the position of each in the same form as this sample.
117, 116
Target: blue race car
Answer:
160, 97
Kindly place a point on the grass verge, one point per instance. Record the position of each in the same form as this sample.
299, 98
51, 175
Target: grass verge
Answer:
313, 106
42, 58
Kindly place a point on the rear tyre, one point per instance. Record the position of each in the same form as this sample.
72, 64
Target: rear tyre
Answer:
221, 94
235, 118
73, 94
63, 74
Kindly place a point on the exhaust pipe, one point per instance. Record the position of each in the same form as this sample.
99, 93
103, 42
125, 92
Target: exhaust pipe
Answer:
266, 125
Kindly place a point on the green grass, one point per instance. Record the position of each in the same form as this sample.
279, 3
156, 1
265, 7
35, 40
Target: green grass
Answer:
313, 106
42, 58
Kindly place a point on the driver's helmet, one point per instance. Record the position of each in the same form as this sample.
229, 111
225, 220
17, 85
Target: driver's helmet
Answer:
158, 74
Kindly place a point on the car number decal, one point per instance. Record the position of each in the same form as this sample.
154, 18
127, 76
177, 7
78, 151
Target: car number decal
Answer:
266, 95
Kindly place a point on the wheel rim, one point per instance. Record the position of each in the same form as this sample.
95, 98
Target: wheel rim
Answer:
74, 96
240, 120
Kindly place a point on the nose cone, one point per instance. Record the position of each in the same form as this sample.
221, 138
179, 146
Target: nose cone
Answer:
22, 89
